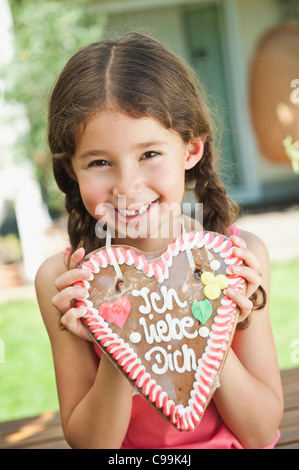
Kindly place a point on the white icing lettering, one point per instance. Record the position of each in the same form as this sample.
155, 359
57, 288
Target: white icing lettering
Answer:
151, 301
188, 322
144, 294
172, 328
150, 333
162, 328
169, 361
155, 368
154, 298
169, 295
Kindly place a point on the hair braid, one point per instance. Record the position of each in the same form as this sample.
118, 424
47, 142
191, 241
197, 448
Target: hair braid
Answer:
219, 211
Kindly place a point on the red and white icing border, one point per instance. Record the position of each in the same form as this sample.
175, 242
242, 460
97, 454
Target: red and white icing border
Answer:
209, 365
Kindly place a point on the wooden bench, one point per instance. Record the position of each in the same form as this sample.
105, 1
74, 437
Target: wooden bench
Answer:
44, 431
289, 426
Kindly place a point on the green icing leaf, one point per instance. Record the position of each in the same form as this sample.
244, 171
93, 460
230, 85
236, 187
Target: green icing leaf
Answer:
202, 310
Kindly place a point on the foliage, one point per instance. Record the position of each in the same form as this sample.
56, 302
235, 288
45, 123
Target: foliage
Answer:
10, 249
46, 35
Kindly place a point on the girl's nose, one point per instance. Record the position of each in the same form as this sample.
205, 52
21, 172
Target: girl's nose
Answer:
129, 184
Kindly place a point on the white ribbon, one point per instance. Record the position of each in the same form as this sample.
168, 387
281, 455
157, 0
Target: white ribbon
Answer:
188, 249
112, 257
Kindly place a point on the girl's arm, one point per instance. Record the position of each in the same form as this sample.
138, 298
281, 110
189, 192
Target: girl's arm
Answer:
250, 398
95, 399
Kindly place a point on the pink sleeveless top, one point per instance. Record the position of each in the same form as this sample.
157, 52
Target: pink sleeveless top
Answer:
149, 430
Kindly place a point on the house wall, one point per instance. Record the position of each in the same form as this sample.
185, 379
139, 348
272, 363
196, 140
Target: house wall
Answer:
164, 24
244, 22
257, 17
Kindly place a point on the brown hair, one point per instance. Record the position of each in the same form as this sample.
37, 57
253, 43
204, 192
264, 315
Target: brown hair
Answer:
140, 76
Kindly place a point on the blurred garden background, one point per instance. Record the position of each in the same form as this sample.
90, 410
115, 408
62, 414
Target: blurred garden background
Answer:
225, 42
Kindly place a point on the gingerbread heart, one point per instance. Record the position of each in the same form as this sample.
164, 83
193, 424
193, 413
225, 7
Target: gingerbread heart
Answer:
167, 327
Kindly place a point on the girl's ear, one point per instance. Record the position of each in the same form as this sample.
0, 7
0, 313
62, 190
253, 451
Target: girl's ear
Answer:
194, 152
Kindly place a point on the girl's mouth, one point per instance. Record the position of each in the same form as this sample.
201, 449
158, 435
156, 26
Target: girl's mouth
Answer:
126, 215
126, 212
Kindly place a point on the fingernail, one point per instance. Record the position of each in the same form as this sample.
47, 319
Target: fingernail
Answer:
82, 310
87, 272
236, 269
238, 251
82, 291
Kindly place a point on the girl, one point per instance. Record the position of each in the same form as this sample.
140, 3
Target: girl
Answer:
128, 129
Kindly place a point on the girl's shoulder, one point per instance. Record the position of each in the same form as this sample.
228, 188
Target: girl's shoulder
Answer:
45, 288
51, 268
255, 244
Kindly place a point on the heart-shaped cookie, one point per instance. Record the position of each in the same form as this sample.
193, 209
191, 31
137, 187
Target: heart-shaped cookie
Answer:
166, 327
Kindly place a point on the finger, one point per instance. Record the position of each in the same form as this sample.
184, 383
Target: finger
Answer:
248, 257
70, 277
239, 242
63, 301
245, 305
72, 315
252, 278
71, 320
76, 257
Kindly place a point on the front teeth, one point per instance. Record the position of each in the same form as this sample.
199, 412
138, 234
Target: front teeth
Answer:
140, 211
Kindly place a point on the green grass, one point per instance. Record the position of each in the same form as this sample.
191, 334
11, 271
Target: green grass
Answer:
285, 311
27, 382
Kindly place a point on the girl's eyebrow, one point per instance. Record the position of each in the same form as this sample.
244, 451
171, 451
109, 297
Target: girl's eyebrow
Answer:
142, 145
91, 153
151, 143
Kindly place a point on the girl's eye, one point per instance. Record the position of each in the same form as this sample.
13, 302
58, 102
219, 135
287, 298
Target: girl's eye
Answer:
150, 154
98, 163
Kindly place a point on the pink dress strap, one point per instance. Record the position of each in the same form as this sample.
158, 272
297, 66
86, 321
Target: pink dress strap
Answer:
67, 252
233, 230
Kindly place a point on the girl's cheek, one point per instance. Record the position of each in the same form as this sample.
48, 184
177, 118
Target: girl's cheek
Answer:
92, 196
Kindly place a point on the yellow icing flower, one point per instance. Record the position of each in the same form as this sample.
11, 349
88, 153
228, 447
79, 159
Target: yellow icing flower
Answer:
213, 284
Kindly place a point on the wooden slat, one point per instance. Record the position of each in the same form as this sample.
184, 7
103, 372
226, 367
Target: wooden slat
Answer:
289, 426
39, 432
45, 432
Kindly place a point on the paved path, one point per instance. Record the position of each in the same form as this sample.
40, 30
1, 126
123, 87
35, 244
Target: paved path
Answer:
279, 230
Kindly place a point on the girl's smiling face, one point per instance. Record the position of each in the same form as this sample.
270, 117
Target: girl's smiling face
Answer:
132, 170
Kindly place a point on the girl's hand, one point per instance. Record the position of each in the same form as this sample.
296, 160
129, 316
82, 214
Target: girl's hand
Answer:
250, 272
67, 292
